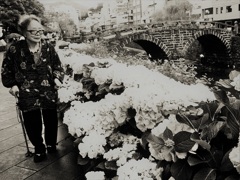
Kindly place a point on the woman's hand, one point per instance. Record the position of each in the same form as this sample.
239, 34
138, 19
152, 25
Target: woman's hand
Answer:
57, 83
14, 91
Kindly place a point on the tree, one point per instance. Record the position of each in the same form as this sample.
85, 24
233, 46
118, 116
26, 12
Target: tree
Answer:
66, 24
11, 9
174, 12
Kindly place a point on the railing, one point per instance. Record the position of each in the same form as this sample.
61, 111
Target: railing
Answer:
171, 25
167, 25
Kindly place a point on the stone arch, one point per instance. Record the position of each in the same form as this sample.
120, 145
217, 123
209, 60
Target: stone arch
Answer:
147, 37
208, 32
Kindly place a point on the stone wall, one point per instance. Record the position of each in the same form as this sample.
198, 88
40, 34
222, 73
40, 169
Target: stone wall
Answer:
235, 51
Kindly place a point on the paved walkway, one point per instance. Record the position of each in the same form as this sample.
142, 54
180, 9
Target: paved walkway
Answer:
13, 163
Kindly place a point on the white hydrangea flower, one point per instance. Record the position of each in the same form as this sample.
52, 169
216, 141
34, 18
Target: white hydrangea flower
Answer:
95, 175
234, 156
92, 145
236, 83
139, 169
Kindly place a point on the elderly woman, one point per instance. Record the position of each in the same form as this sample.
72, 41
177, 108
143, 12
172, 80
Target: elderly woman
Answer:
33, 71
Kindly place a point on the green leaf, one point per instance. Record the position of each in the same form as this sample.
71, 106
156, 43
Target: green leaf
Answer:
226, 83
182, 141
201, 122
183, 119
232, 177
181, 170
209, 108
111, 165
196, 138
221, 96
156, 142
101, 165
233, 120
205, 174
226, 164
83, 161
194, 160
236, 104
212, 130
144, 139
167, 134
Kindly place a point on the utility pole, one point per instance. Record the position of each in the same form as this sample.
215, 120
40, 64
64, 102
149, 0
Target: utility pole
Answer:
140, 11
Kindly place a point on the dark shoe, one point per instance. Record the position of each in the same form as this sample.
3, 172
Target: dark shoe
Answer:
51, 149
39, 157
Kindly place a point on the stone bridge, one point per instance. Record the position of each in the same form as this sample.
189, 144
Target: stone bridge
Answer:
175, 42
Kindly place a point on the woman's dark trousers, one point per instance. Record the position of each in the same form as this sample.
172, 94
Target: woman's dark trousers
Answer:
33, 124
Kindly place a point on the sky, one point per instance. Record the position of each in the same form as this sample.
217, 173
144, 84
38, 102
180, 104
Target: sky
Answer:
85, 3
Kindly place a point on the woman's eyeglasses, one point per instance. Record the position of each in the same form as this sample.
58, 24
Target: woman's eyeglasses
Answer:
36, 32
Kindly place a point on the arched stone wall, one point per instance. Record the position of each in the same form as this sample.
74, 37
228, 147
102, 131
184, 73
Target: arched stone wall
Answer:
147, 37
208, 32
174, 42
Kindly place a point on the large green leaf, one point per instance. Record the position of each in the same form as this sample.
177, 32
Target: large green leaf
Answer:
232, 177
144, 139
212, 130
209, 108
167, 134
233, 120
226, 83
205, 174
184, 119
196, 138
83, 161
181, 170
156, 142
112, 165
182, 141
202, 122
226, 164
194, 160
221, 96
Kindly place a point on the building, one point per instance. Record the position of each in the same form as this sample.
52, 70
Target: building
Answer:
174, 2
148, 9
124, 13
221, 11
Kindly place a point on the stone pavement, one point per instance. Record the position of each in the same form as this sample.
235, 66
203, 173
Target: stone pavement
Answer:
13, 163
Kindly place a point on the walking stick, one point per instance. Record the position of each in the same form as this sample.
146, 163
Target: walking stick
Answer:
20, 119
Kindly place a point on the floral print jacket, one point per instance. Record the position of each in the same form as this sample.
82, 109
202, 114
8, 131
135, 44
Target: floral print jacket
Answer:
34, 80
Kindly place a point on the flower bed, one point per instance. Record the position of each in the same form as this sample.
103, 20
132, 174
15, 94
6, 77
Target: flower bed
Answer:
126, 116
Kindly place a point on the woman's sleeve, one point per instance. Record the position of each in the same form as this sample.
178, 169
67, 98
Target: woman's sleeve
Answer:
58, 71
8, 70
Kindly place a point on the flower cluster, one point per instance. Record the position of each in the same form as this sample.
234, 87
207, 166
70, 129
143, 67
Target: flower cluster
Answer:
69, 90
96, 175
235, 77
92, 145
234, 156
166, 150
172, 119
125, 152
142, 169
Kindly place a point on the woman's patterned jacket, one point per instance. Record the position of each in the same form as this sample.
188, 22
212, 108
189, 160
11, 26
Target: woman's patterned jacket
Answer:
34, 80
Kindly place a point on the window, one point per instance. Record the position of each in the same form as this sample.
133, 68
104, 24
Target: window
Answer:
238, 7
216, 10
208, 11
221, 10
229, 9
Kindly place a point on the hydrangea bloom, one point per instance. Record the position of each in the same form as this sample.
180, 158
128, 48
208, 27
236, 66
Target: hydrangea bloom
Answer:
234, 156
96, 175
139, 169
92, 145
